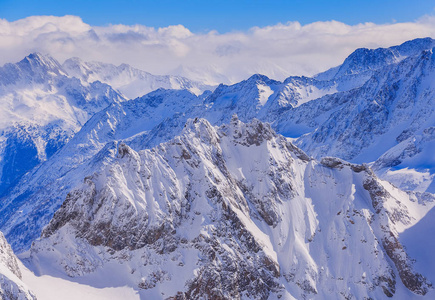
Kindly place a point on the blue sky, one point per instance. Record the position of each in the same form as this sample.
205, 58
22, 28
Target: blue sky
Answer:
223, 15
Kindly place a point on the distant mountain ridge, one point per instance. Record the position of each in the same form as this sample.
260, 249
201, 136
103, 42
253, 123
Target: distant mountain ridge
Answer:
130, 81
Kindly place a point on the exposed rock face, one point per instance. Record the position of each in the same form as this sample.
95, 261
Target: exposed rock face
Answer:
11, 286
8, 258
236, 212
379, 195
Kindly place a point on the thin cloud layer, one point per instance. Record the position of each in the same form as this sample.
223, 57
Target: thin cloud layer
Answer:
277, 51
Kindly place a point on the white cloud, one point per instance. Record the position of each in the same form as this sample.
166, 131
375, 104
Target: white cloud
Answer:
277, 51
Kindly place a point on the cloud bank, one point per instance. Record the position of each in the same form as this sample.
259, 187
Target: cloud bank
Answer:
277, 51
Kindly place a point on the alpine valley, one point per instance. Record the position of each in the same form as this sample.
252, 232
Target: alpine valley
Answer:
119, 184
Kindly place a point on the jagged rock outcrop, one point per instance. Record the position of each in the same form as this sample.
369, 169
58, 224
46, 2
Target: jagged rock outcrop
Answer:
390, 240
11, 286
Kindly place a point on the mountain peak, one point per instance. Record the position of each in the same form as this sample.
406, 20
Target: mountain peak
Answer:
34, 68
39, 63
363, 59
73, 60
125, 66
413, 47
234, 119
202, 129
259, 78
234, 196
247, 134
38, 56
39, 59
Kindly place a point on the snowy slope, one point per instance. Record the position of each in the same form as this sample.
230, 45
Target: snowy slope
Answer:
129, 81
67, 288
410, 165
235, 212
11, 285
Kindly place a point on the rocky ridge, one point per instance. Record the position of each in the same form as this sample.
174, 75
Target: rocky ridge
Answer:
11, 286
237, 212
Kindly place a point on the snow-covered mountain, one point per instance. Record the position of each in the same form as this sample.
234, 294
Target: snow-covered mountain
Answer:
11, 285
230, 211
376, 100
32, 202
143, 122
130, 81
40, 110
364, 62
326, 117
395, 103
379, 121
235, 212
42, 105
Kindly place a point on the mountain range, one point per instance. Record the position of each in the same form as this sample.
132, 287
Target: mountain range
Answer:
306, 188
